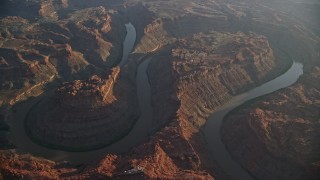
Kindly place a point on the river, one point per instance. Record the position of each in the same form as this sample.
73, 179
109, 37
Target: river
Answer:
213, 125
128, 43
138, 134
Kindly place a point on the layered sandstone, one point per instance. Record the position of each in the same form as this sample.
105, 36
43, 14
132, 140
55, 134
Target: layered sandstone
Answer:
277, 136
84, 115
30, 167
154, 37
32, 54
178, 150
206, 71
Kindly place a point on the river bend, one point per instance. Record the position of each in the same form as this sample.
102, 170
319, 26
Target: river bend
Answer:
213, 125
137, 134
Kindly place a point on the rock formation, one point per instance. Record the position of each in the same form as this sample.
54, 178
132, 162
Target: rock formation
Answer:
203, 52
277, 136
154, 37
34, 53
206, 71
84, 115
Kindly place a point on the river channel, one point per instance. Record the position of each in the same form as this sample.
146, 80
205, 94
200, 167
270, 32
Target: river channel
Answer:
213, 125
138, 134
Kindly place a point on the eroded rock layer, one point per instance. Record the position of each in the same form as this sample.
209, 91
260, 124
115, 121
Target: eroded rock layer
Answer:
176, 148
206, 71
34, 53
84, 115
277, 136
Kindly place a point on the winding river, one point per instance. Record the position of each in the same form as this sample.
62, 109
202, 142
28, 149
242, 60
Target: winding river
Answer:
213, 125
138, 134
128, 43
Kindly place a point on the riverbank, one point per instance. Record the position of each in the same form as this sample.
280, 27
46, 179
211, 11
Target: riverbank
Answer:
280, 124
213, 126
194, 73
26, 145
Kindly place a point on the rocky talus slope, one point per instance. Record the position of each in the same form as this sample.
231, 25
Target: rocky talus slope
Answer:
277, 136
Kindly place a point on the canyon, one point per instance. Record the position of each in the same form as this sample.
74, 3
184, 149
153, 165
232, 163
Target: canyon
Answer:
66, 120
91, 109
35, 53
281, 129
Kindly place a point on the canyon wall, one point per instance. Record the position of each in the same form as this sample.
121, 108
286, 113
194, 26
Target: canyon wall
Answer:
205, 71
276, 136
191, 75
87, 114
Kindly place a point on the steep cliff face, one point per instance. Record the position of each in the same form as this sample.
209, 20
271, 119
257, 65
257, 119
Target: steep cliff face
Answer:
154, 37
278, 136
194, 78
166, 155
85, 115
189, 78
205, 71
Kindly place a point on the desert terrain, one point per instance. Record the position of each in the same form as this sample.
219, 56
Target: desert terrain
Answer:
136, 89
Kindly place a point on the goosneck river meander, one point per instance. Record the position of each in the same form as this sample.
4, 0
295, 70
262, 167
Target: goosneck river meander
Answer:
140, 130
137, 134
